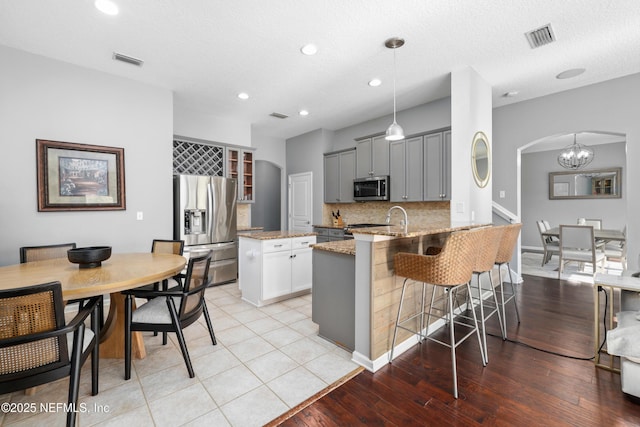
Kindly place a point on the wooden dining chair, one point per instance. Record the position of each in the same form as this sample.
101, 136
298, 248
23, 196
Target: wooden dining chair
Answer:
595, 223
37, 347
549, 246
577, 243
46, 252
175, 247
171, 310
616, 251
42, 253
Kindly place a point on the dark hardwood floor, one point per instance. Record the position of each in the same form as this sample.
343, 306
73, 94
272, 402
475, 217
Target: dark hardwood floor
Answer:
520, 386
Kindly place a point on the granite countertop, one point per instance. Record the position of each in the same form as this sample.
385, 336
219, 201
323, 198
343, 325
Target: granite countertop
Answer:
284, 234
240, 229
340, 227
346, 247
417, 230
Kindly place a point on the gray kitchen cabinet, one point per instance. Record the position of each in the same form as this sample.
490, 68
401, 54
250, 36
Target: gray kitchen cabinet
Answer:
322, 234
339, 173
406, 170
328, 234
372, 157
437, 166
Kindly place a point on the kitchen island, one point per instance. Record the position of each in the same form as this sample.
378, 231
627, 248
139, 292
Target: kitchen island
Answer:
377, 289
274, 265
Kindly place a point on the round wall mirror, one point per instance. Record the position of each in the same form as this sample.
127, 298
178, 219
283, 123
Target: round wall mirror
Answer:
481, 159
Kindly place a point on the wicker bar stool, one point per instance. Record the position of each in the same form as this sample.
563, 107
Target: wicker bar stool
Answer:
485, 258
451, 269
503, 257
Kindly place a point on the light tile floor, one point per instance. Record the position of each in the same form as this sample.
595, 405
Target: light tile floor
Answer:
267, 361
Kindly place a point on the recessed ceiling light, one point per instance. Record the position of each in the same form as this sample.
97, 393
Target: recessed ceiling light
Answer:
574, 72
510, 94
375, 82
309, 49
106, 6
243, 95
303, 112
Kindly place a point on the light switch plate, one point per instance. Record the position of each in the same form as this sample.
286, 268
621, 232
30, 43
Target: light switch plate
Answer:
502, 194
139, 216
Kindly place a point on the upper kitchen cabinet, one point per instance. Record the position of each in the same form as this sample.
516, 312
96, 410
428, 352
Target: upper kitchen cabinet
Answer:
372, 157
240, 165
339, 173
406, 170
437, 166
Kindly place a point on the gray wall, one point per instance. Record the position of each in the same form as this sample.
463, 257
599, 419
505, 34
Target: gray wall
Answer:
273, 150
305, 154
611, 106
425, 117
536, 204
46, 99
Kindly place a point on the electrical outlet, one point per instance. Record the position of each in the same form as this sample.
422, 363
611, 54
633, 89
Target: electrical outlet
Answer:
460, 207
139, 216
502, 194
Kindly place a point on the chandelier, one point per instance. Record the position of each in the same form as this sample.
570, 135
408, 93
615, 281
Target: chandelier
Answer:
575, 156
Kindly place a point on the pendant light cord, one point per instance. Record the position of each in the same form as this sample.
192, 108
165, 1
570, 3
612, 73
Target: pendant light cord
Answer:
394, 85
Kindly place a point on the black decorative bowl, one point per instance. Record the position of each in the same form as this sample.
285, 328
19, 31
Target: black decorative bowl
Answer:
89, 257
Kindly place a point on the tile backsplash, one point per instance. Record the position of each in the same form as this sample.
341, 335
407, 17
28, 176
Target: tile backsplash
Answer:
376, 212
244, 215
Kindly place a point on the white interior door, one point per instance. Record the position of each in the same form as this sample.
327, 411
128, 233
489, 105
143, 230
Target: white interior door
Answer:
301, 202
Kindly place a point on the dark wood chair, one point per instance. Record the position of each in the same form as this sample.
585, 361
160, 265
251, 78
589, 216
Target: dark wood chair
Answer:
37, 347
41, 253
170, 310
45, 252
160, 246
176, 247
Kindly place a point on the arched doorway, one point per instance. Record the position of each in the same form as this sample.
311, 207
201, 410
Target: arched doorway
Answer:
536, 159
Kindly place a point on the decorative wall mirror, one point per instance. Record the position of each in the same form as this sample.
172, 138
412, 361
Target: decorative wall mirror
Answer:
481, 159
586, 184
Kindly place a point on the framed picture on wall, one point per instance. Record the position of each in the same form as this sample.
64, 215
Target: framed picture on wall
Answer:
79, 177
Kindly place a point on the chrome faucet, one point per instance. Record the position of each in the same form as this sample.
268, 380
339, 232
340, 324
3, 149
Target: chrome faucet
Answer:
405, 222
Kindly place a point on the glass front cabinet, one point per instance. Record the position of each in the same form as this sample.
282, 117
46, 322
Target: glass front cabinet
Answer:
240, 166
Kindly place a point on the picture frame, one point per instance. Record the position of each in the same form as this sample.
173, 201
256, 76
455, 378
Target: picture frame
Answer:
79, 177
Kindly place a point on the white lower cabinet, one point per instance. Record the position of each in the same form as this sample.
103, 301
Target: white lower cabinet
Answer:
274, 269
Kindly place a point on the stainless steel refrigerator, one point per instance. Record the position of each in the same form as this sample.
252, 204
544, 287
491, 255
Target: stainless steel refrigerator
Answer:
204, 212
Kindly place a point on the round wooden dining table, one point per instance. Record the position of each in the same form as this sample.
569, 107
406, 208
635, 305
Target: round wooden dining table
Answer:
120, 272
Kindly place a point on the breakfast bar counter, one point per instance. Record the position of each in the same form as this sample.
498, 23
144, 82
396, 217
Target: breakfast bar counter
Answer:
377, 289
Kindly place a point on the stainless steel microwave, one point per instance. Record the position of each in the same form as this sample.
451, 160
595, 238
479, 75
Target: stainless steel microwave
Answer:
371, 188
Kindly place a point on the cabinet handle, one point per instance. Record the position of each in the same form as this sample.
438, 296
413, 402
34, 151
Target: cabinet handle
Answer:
304, 243
277, 246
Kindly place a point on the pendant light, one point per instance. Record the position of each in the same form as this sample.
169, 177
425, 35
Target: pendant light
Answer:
575, 156
394, 131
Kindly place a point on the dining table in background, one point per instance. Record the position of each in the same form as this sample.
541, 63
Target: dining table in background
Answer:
610, 235
120, 272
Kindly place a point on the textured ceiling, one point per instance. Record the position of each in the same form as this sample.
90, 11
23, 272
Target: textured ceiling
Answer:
206, 51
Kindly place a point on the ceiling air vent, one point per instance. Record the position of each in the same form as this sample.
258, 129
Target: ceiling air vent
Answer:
278, 115
128, 59
541, 36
